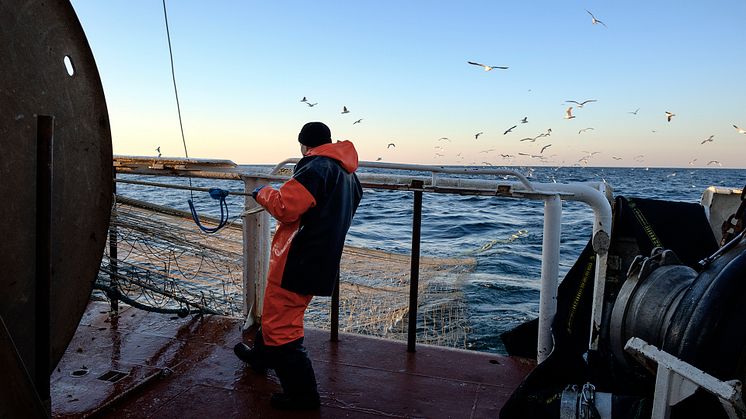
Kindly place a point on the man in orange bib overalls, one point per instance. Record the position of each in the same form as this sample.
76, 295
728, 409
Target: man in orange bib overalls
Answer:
314, 210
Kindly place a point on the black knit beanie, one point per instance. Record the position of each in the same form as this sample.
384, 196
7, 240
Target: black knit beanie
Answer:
314, 134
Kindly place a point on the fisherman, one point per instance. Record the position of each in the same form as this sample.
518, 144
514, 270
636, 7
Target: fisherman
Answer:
313, 210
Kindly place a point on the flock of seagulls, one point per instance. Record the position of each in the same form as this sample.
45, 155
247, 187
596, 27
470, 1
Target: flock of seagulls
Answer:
568, 115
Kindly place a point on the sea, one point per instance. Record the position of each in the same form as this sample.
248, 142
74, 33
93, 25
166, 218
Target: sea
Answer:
504, 235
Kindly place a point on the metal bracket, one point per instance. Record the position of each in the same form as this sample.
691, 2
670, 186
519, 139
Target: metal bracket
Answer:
676, 380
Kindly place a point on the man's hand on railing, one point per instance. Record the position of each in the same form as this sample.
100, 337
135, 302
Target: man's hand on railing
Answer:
256, 191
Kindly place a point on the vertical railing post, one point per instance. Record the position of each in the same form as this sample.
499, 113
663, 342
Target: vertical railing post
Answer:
256, 248
549, 274
113, 263
335, 312
414, 275
44, 211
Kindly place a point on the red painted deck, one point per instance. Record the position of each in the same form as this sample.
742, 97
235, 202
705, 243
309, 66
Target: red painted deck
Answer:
185, 368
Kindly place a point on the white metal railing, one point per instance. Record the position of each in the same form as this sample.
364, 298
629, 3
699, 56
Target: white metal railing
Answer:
256, 225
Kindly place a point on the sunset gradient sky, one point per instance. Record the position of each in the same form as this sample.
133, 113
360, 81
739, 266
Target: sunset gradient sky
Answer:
242, 68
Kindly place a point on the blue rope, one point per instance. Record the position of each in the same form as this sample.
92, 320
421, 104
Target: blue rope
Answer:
218, 194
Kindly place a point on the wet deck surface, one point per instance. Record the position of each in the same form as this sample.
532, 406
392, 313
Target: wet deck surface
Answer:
162, 366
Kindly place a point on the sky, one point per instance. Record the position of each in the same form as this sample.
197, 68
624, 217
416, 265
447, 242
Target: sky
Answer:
243, 67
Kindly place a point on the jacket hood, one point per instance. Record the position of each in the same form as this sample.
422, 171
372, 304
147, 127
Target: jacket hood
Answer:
342, 151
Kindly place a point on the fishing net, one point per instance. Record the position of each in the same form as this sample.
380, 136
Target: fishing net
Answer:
164, 263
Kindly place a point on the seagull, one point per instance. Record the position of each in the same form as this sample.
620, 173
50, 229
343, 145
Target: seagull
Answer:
344, 109
708, 140
584, 130
487, 67
616, 157
580, 104
714, 162
158, 149
487, 151
486, 163
635, 112
544, 148
596, 20
509, 129
476, 136
568, 113
691, 163
740, 130
506, 155
444, 138
379, 159
358, 121
531, 139
391, 145
669, 115
312, 104
524, 120
304, 99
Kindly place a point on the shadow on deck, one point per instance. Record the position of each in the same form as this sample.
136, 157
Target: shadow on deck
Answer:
143, 365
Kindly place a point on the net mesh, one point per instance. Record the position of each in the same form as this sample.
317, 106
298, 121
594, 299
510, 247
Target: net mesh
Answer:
164, 263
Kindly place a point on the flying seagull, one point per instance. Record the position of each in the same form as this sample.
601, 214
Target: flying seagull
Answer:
596, 20
714, 162
344, 109
669, 115
158, 149
580, 104
506, 155
444, 138
585, 129
391, 145
616, 157
544, 148
476, 136
740, 130
568, 113
635, 112
531, 139
524, 120
304, 99
487, 67
708, 140
509, 129
358, 121
312, 104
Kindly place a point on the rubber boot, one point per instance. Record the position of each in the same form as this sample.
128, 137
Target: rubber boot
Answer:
256, 356
298, 381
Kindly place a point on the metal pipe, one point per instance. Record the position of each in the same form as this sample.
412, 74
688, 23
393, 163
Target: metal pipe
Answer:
549, 274
256, 248
44, 211
414, 275
113, 254
169, 186
335, 312
425, 168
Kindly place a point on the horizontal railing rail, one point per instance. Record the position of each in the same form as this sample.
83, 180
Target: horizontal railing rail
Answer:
448, 180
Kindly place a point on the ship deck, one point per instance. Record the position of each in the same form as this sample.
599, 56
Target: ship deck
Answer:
143, 364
